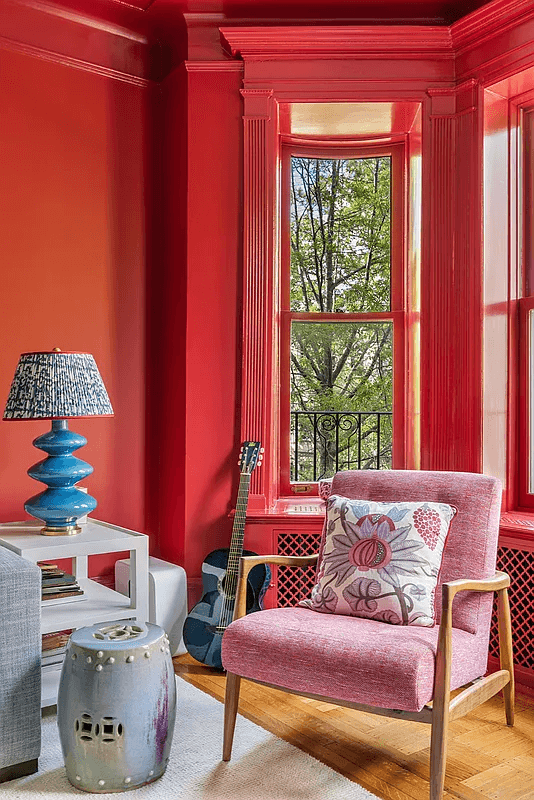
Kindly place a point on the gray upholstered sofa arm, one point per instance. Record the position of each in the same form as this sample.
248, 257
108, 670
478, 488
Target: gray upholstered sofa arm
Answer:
20, 665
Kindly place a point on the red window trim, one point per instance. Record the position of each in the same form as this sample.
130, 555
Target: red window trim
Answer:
526, 497
397, 314
523, 279
526, 123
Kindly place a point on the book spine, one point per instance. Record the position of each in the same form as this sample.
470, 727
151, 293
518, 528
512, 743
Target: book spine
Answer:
57, 595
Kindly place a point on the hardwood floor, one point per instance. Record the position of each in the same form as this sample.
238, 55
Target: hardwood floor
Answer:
486, 759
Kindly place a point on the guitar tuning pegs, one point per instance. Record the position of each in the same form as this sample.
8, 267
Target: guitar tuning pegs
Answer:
262, 449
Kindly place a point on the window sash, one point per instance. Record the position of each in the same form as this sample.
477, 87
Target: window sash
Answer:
526, 403
397, 314
525, 351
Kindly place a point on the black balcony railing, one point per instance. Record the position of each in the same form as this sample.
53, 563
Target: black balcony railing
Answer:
324, 442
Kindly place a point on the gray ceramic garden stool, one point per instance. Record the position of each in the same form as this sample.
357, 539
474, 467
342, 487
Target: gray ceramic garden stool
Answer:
116, 706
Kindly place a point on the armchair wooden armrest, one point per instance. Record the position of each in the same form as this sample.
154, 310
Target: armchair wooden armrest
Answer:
445, 710
249, 562
499, 581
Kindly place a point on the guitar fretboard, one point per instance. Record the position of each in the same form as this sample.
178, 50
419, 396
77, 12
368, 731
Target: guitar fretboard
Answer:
238, 533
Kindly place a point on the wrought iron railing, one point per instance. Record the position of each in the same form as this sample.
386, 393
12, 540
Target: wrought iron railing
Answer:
324, 442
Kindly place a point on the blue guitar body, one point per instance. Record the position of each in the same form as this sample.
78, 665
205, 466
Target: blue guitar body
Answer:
205, 624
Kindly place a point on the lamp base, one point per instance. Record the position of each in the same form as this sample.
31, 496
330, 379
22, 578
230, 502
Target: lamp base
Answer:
61, 505
70, 530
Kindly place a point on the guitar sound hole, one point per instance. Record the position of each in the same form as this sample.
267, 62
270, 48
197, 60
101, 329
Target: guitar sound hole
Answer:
222, 588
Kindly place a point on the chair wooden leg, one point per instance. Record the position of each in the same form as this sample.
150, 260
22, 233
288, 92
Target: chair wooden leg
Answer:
438, 747
231, 702
506, 653
441, 699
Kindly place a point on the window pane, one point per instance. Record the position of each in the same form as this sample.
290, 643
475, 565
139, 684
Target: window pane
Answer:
340, 234
341, 397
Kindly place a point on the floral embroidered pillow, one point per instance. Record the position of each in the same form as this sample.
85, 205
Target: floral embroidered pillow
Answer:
381, 560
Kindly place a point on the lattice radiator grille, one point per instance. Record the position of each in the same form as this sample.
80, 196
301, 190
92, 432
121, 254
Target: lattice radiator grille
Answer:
295, 583
519, 564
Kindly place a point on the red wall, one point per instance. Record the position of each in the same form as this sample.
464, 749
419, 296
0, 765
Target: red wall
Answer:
122, 236
72, 224
203, 164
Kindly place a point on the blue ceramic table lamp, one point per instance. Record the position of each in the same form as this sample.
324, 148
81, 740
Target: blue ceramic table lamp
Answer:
58, 385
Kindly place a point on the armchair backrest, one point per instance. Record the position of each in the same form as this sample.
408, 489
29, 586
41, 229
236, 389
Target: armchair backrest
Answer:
471, 547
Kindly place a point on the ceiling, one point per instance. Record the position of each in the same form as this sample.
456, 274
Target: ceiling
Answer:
157, 14
160, 26
351, 119
440, 11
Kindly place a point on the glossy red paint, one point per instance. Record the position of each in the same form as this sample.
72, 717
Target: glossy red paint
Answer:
451, 320
75, 159
494, 42
526, 422
60, 33
499, 396
165, 373
78, 101
528, 193
508, 185
213, 323
412, 256
526, 306
161, 14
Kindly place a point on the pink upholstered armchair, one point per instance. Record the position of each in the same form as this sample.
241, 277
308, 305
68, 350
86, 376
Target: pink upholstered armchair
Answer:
390, 669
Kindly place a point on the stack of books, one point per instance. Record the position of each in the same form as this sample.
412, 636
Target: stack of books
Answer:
58, 586
54, 646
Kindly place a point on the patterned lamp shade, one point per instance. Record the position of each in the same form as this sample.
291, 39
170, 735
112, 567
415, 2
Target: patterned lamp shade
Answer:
57, 385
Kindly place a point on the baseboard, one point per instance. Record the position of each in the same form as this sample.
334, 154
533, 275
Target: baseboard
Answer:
18, 770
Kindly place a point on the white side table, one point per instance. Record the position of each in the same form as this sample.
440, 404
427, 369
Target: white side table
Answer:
100, 604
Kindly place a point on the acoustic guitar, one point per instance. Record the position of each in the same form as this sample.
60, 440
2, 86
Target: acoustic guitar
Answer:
209, 618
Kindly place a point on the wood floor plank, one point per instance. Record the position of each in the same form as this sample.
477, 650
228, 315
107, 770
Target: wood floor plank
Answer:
488, 777
462, 792
502, 783
486, 759
462, 761
500, 744
406, 739
524, 764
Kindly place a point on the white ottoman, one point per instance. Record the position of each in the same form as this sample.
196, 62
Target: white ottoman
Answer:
167, 597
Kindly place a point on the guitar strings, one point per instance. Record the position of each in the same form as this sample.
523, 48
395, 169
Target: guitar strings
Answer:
230, 585
233, 559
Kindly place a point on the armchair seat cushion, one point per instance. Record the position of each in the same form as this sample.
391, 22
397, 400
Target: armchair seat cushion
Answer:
347, 658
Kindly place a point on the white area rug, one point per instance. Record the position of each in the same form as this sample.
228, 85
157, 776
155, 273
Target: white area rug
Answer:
263, 767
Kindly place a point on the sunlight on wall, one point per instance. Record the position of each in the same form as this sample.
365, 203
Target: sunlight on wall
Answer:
495, 331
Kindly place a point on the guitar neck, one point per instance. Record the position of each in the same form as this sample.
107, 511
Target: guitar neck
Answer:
238, 530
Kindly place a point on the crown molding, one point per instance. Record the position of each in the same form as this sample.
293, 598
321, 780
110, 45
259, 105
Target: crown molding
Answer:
339, 42
204, 20
489, 21
73, 63
214, 66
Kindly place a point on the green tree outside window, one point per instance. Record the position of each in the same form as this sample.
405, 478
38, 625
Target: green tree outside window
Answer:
340, 226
